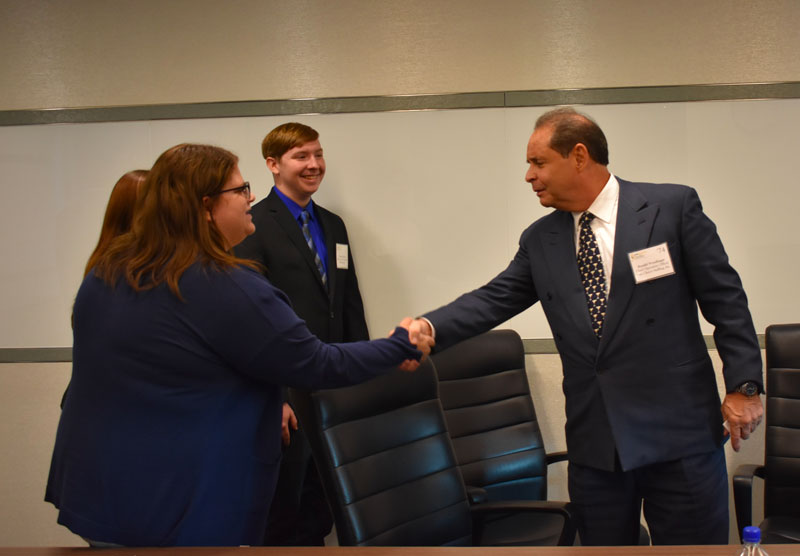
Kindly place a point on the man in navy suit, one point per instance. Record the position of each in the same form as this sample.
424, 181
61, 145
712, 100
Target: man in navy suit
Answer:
620, 288
319, 277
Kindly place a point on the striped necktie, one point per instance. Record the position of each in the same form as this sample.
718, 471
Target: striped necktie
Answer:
304, 216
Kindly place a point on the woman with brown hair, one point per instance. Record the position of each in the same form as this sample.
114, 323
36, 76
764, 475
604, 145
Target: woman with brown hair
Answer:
170, 433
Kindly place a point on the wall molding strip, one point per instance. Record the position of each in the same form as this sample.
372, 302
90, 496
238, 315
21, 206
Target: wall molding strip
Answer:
344, 105
36, 355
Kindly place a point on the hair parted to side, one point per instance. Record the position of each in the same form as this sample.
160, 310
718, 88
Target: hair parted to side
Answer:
570, 127
171, 229
286, 136
119, 213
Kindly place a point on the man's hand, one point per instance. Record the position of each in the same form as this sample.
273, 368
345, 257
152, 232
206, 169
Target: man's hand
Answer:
421, 337
420, 326
743, 415
288, 424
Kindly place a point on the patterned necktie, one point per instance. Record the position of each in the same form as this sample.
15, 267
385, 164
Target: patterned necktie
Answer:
304, 216
593, 277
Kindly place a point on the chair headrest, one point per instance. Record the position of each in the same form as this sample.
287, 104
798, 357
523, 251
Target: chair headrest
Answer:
783, 346
377, 396
492, 352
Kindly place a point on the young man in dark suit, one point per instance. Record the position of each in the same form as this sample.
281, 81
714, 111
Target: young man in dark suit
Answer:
305, 251
620, 269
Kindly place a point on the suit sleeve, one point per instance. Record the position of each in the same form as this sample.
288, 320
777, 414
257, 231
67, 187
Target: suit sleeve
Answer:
720, 295
506, 295
255, 331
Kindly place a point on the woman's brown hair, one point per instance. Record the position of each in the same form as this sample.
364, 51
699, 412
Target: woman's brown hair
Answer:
171, 229
119, 213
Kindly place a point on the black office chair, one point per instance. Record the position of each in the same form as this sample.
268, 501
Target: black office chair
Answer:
483, 385
388, 466
490, 416
781, 469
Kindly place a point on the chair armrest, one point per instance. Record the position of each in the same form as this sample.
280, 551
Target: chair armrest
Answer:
481, 512
555, 457
476, 495
743, 493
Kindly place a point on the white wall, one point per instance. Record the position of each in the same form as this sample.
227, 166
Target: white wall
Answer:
434, 201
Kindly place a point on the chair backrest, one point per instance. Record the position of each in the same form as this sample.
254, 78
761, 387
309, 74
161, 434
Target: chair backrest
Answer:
782, 450
386, 461
484, 390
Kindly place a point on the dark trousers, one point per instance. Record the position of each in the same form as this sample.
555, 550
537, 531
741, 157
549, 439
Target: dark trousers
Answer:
685, 502
299, 515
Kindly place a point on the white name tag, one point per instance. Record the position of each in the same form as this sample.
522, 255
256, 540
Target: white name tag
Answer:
651, 263
342, 259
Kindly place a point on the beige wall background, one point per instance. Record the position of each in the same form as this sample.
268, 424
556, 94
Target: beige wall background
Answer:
81, 53
84, 53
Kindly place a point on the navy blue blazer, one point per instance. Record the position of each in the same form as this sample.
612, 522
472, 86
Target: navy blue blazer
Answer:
647, 389
170, 433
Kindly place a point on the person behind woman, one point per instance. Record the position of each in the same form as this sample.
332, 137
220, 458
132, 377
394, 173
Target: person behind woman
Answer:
179, 353
117, 220
119, 213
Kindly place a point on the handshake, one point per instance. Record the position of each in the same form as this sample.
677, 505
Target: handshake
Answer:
421, 335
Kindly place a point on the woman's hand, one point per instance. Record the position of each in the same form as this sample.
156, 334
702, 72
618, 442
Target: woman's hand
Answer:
288, 424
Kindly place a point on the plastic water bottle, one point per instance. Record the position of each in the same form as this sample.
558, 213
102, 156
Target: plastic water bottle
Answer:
752, 542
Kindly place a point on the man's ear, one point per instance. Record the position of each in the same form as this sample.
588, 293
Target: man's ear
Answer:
273, 165
581, 154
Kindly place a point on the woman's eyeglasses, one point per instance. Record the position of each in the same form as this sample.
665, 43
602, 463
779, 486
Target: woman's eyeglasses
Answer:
242, 189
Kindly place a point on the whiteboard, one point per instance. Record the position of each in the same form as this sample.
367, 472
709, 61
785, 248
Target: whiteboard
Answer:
434, 201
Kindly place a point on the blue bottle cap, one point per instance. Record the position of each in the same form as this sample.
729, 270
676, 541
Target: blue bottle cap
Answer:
751, 534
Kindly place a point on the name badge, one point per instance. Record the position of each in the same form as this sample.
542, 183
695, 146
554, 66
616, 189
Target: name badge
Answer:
651, 263
342, 259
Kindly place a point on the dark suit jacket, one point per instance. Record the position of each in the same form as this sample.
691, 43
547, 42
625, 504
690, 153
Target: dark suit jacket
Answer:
278, 244
647, 389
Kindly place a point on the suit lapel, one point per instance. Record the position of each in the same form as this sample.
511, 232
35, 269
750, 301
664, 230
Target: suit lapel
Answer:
289, 225
558, 243
635, 219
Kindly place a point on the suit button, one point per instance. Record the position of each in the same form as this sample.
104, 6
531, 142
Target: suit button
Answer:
332, 315
650, 322
549, 296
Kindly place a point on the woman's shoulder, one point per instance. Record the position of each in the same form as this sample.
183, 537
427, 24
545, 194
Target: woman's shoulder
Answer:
213, 275
237, 293
233, 281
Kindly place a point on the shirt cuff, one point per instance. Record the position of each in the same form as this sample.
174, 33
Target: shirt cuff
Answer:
433, 328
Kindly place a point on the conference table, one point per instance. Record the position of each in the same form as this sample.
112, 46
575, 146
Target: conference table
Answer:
712, 550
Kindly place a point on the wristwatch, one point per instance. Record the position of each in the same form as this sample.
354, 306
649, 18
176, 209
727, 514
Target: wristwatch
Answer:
748, 388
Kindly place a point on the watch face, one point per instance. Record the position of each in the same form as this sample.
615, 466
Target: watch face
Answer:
749, 389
